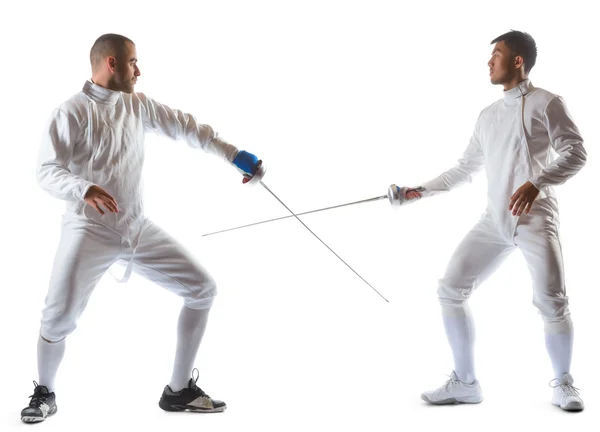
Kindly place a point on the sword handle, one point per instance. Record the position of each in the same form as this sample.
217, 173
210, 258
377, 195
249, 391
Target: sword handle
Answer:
397, 194
257, 177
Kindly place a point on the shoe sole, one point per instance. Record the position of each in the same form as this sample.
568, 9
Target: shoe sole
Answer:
451, 401
36, 419
182, 408
571, 407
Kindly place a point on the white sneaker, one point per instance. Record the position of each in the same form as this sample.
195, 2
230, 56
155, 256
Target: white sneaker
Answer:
565, 395
454, 391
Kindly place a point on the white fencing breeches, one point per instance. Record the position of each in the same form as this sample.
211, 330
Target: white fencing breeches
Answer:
483, 250
86, 251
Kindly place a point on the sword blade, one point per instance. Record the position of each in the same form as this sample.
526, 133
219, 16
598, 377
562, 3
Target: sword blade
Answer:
297, 214
318, 238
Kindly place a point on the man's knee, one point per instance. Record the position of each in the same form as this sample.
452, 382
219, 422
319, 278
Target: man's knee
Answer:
453, 291
56, 331
59, 319
555, 313
201, 295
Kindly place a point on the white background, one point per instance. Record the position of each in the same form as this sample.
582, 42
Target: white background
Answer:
340, 99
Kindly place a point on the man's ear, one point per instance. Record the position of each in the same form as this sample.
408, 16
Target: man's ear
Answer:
111, 62
519, 62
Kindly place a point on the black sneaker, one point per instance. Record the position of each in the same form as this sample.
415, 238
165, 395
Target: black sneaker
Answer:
191, 398
42, 405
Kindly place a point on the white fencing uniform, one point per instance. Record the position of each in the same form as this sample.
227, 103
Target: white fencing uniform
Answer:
512, 141
97, 138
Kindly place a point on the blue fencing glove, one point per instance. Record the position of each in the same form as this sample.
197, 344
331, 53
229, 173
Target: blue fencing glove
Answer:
246, 162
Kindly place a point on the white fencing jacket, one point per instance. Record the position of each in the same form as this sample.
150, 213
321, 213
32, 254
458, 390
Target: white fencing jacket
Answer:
97, 138
513, 140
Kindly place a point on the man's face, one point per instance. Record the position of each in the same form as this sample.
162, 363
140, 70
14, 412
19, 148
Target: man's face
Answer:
125, 69
502, 64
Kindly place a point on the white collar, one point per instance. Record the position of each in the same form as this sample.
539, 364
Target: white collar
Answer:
518, 91
101, 94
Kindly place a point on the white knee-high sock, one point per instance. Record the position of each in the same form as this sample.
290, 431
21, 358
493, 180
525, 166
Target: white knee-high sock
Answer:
50, 354
190, 329
560, 349
460, 331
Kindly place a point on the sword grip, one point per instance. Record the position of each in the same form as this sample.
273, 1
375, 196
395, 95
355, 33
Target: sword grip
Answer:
257, 177
397, 194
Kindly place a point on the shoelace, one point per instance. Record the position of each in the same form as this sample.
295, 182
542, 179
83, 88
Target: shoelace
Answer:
568, 389
450, 383
37, 399
195, 387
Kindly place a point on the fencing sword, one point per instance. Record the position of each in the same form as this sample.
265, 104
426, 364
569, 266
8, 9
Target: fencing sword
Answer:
257, 179
396, 196
297, 214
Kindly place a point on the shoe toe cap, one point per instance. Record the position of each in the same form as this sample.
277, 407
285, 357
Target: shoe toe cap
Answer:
32, 412
218, 404
573, 404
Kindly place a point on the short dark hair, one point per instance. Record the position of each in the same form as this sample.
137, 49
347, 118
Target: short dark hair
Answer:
521, 44
109, 44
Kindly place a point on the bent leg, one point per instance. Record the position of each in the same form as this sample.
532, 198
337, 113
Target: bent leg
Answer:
478, 255
84, 254
161, 259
